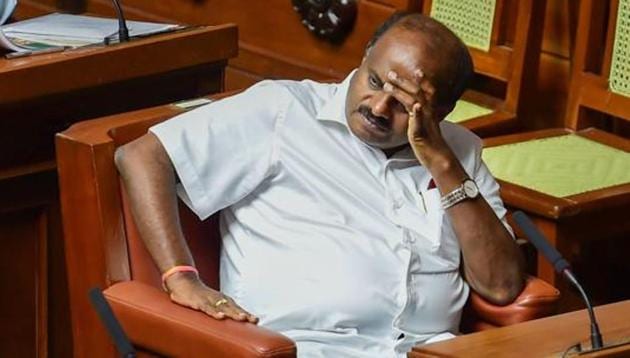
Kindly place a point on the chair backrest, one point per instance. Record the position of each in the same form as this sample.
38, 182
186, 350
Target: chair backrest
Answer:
503, 36
600, 82
100, 242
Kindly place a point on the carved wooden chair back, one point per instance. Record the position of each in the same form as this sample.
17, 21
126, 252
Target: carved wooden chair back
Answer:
576, 180
502, 36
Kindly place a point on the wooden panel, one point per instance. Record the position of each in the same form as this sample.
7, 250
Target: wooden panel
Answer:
42, 95
545, 337
557, 32
236, 78
273, 36
54, 73
25, 236
549, 97
19, 302
28, 8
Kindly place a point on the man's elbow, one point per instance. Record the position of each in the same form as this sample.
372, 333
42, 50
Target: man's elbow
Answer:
121, 159
134, 153
508, 292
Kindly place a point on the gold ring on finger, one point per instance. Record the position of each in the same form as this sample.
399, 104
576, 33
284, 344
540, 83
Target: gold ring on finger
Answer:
220, 302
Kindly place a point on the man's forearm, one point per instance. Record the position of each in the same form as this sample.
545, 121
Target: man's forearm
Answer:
149, 179
492, 260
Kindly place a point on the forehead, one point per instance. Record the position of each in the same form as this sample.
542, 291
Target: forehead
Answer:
402, 51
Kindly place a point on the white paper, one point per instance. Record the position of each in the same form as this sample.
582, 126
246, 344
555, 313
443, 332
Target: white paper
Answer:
6, 43
51, 40
6, 9
65, 30
75, 30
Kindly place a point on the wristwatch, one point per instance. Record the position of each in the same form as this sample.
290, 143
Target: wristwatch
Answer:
468, 190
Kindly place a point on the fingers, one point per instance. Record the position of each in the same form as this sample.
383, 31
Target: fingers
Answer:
405, 99
227, 306
411, 87
412, 127
409, 92
211, 302
222, 307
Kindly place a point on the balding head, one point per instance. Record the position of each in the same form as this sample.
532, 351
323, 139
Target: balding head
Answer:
457, 67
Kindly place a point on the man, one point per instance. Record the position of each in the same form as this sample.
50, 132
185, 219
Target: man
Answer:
344, 207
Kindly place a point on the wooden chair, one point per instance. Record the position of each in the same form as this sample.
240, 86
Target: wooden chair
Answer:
575, 181
103, 249
502, 36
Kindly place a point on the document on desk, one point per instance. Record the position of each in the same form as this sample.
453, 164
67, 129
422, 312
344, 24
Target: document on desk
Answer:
73, 30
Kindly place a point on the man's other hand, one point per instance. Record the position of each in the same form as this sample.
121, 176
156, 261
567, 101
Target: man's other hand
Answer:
187, 290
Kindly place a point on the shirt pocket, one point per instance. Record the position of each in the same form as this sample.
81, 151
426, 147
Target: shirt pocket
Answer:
426, 220
433, 238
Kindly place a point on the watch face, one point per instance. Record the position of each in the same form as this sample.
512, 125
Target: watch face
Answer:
470, 188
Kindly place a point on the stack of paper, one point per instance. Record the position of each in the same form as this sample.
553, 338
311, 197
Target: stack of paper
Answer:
72, 31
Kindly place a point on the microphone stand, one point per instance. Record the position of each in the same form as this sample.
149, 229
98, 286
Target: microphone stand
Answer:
596, 336
561, 266
123, 31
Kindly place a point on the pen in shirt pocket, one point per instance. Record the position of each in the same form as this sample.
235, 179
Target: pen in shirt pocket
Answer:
429, 187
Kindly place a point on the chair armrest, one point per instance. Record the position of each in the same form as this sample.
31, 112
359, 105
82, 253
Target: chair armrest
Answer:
538, 299
152, 321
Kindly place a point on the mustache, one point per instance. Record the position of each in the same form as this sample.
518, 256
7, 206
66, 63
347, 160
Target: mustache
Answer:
367, 113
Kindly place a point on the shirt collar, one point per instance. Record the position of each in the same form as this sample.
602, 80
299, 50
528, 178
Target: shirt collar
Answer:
404, 155
335, 108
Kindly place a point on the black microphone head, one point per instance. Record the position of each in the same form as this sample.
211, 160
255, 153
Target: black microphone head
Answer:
538, 240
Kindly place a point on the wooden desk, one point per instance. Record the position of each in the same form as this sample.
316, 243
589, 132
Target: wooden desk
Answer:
545, 337
43, 95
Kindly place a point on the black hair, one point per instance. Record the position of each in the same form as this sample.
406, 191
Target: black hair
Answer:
452, 84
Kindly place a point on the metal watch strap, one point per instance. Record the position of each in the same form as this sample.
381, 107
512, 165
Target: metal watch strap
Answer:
459, 194
453, 197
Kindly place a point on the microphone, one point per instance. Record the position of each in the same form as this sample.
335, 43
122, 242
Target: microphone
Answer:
111, 324
123, 31
561, 266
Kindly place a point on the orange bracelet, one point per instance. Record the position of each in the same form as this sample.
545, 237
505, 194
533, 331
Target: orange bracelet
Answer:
175, 269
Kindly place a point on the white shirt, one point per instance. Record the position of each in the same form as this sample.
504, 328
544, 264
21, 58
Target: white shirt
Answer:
325, 239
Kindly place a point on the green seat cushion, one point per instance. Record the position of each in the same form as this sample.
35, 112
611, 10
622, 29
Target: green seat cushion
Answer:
559, 166
464, 111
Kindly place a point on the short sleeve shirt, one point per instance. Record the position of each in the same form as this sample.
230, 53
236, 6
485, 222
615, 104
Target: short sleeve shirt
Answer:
325, 239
